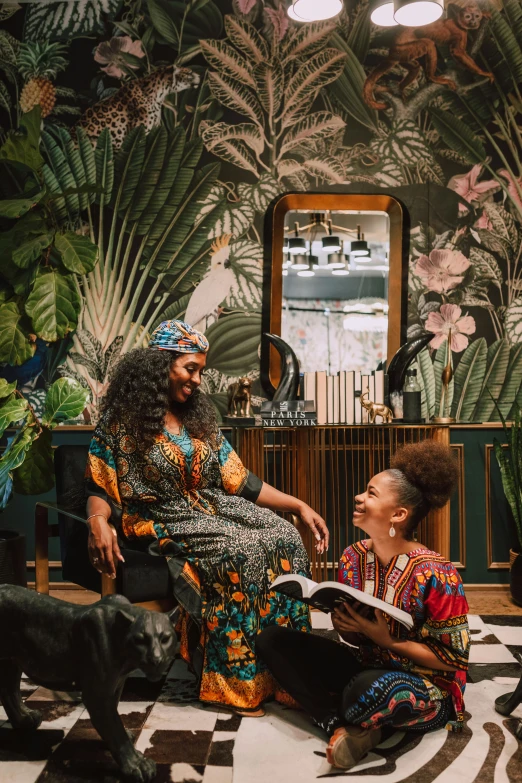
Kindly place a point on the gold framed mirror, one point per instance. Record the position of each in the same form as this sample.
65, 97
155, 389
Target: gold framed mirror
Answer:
345, 216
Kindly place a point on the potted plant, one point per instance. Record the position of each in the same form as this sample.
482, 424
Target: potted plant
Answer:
509, 458
26, 465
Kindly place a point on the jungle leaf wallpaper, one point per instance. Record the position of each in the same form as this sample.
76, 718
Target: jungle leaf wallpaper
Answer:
142, 141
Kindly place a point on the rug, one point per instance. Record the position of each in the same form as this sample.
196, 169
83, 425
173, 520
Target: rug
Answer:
195, 744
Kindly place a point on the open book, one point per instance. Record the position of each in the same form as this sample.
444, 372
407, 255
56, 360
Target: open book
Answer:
326, 595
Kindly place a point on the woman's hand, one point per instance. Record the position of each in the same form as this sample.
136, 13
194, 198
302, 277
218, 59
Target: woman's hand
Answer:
316, 524
350, 621
102, 544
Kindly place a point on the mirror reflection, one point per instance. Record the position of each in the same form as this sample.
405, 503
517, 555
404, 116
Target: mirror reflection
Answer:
335, 288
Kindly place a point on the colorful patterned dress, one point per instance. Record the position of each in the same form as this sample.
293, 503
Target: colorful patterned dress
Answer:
429, 588
195, 504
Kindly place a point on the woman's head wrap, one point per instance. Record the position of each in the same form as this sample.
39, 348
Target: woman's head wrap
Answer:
178, 336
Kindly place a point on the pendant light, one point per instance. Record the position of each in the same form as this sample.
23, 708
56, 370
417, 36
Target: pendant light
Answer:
296, 244
344, 269
309, 271
359, 247
382, 13
416, 13
336, 260
331, 243
316, 10
299, 262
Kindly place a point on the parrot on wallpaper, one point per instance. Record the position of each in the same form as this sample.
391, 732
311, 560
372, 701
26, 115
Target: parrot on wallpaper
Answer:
29, 370
214, 286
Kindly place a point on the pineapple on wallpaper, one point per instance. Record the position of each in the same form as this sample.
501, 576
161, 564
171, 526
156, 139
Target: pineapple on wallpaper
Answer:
182, 121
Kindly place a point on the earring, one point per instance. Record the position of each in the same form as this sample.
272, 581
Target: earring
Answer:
392, 530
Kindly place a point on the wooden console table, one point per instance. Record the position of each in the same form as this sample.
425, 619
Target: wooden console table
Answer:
327, 466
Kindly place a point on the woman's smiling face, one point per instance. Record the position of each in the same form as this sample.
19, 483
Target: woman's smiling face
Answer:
376, 508
185, 375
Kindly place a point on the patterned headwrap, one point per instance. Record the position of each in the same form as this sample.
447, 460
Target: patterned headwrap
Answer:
178, 336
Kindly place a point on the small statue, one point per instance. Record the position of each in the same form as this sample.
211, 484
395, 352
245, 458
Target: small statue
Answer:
376, 409
239, 394
87, 648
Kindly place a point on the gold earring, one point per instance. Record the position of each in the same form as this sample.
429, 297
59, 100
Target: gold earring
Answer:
392, 530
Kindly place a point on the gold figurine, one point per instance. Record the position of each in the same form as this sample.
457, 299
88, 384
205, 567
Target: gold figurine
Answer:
376, 409
239, 394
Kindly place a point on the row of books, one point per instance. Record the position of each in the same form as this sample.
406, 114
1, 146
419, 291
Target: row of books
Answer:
337, 397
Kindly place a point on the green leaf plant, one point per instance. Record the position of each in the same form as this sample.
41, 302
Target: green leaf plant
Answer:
26, 464
42, 249
509, 459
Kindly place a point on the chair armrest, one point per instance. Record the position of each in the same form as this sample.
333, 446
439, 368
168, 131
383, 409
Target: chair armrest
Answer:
61, 510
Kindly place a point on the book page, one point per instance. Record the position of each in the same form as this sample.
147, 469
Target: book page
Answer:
293, 585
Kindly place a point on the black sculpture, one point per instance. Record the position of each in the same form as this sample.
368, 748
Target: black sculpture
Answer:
508, 702
289, 380
87, 648
402, 359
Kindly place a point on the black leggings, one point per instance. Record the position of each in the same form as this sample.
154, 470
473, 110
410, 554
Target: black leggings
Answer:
325, 678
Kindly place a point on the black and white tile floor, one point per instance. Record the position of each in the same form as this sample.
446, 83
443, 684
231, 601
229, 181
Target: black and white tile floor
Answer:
194, 744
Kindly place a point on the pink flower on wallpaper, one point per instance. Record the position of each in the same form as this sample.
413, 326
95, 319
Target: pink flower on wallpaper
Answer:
484, 221
443, 270
512, 187
450, 318
109, 54
245, 6
466, 185
279, 20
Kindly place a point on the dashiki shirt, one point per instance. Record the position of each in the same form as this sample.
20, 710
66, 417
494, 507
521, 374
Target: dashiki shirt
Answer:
195, 504
429, 588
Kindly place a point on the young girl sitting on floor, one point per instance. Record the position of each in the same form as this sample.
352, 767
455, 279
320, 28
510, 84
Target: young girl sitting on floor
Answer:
390, 677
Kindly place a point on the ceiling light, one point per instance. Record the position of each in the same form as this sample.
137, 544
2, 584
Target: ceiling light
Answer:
299, 262
359, 247
362, 259
337, 260
309, 271
285, 272
332, 244
341, 272
416, 13
296, 245
292, 14
382, 13
316, 10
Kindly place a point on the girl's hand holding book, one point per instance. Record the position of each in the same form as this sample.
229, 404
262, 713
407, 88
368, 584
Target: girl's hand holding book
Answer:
345, 619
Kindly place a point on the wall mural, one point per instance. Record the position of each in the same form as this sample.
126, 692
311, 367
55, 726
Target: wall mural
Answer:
144, 139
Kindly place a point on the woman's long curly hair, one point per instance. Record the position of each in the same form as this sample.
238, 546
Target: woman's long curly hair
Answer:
424, 477
138, 397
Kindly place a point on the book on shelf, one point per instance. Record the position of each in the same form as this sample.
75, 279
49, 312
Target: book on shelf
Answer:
336, 398
350, 397
379, 386
306, 406
342, 397
330, 399
321, 396
357, 403
309, 386
327, 595
365, 389
288, 414
305, 421
371, 388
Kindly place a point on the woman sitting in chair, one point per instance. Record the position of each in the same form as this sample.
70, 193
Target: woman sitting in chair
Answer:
162, 471
390, 677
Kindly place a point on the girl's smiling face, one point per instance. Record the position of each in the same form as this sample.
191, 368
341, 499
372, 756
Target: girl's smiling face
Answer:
377, 507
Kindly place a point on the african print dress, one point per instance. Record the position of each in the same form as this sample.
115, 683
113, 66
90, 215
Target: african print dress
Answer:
195, 504
429, 588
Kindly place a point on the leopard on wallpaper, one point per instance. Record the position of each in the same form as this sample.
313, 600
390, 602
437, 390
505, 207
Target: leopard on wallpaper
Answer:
170, 126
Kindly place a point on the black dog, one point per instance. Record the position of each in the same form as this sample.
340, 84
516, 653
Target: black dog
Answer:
87, 648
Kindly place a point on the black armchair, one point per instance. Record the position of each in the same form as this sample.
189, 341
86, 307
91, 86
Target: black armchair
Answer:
143, 579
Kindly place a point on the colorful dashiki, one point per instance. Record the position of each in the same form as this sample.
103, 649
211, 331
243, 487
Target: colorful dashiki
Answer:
195, 504
429, 588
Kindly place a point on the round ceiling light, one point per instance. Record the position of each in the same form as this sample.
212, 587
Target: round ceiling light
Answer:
296, 245
299, 262
359, 247
332, 244
309, 271
337, 260
292, 14
382, 13
416, 13
316, 10
341, 272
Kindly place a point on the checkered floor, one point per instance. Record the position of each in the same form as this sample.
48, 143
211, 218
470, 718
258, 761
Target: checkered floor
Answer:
194, 744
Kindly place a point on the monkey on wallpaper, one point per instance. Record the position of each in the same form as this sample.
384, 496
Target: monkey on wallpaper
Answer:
411, 44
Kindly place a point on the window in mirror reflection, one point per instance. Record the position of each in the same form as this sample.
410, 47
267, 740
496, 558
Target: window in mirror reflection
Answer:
335, 289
